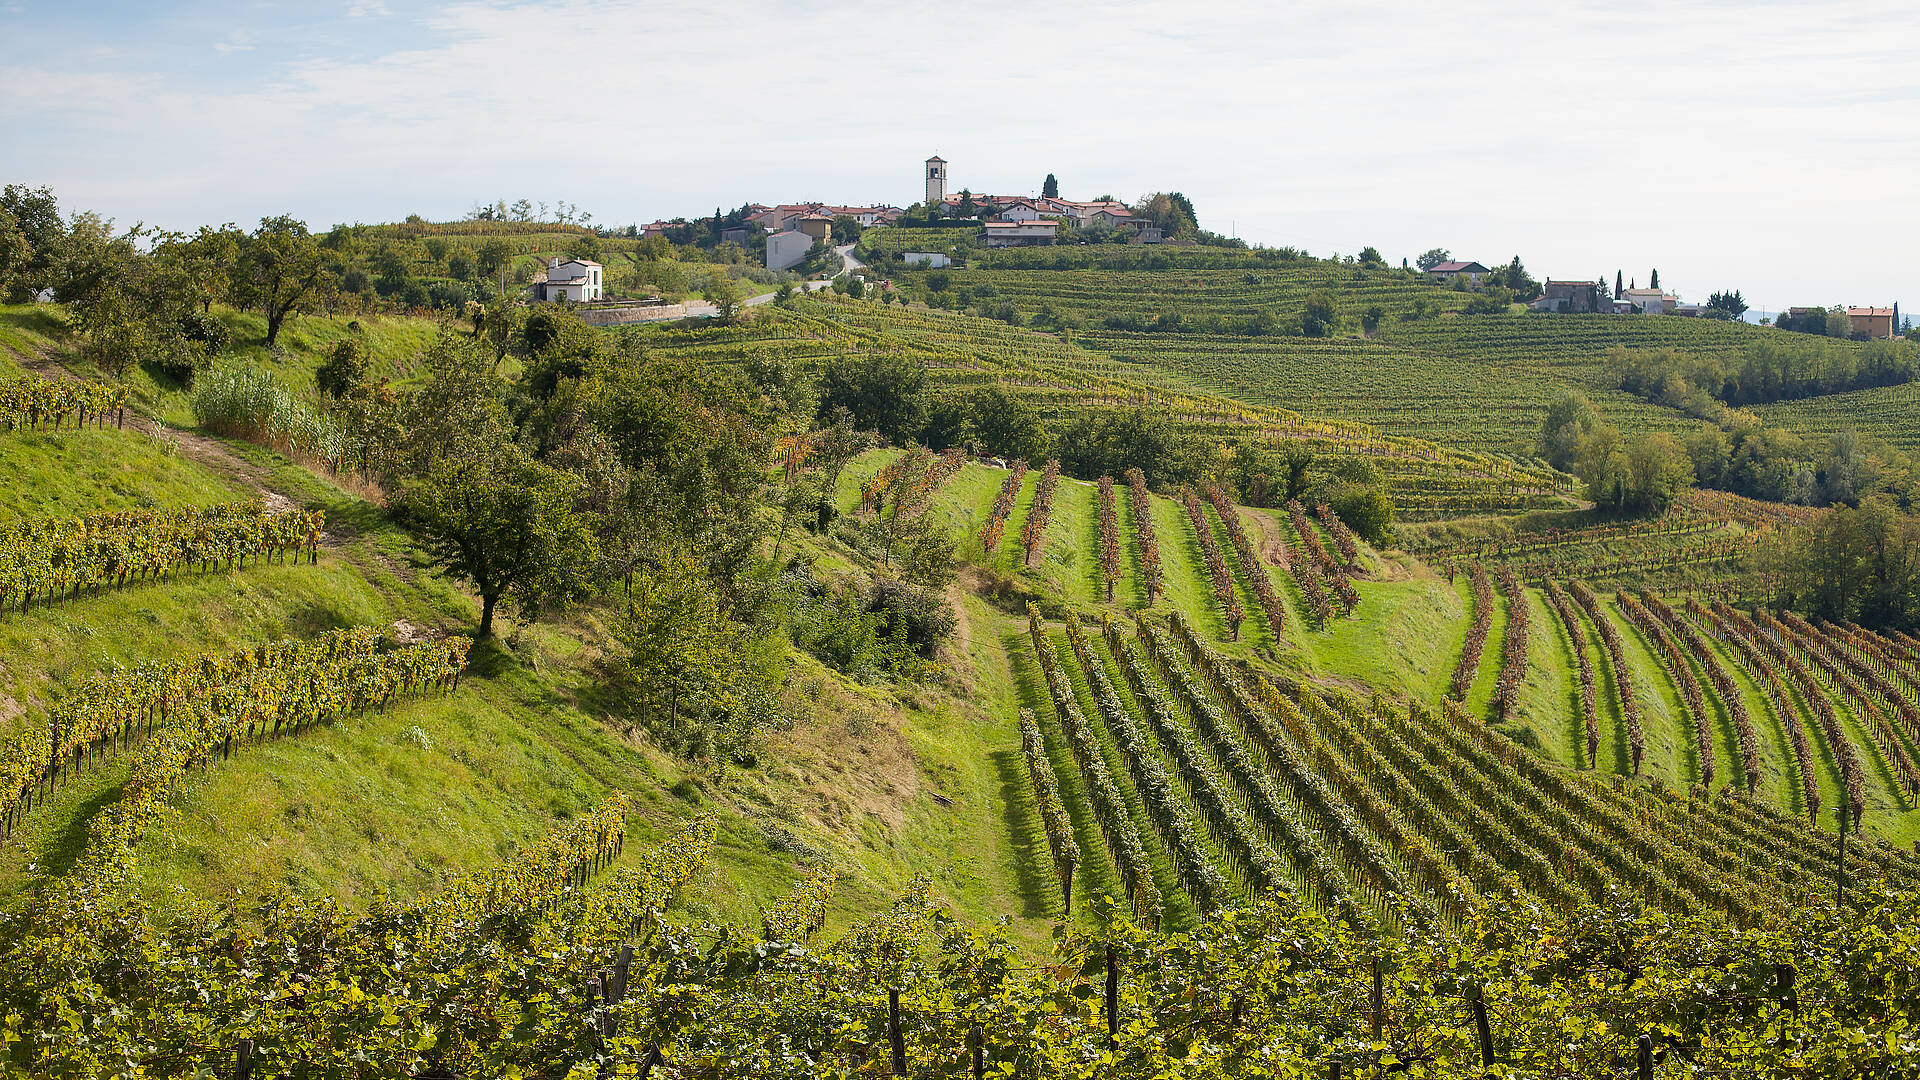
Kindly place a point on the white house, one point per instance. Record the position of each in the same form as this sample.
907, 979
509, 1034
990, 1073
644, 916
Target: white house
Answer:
932, 260
784, 249
1009, 233
577, 280
1649, 301
1021, 211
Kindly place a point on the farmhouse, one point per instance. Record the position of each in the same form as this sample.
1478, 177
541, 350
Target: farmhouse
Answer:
1447, 271
1011, 233
1650, 301
577, 280
1573, 298
1873, 322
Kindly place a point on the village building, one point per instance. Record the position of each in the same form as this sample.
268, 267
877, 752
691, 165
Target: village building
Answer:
1013, 233
1650, 301
932, 260
1573, 298
577, 280
816, 225
1872, 322
1447, 271
785, 249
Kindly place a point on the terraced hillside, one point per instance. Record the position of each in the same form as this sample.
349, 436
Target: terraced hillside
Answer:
1473, 382
1066, 380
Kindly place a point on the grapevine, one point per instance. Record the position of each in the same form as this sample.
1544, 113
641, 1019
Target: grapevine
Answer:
1577, 636
1622, 673
1216, 562
1469, 667
47, 560
1143, 528
1053, 815
1109, 537
1513, 653
1002, 506
1033, 536
1256, 574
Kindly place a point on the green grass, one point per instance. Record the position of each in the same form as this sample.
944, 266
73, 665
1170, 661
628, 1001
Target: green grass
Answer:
50, 474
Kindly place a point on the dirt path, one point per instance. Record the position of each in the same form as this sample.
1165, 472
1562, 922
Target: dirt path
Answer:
201, 449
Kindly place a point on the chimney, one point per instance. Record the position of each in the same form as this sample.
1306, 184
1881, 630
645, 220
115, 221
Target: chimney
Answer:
553, 263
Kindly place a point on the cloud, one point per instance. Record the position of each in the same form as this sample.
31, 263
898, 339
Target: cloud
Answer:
237, 41
360, 9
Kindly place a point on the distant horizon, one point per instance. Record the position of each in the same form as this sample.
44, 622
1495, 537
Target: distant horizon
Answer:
1728, 150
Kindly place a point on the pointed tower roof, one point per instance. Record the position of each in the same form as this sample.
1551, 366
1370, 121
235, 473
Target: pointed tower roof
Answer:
937, 158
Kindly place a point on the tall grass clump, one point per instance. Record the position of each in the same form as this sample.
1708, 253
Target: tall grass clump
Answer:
242, 403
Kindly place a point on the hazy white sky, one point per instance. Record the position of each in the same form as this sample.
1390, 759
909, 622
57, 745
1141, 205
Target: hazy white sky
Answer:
1772, 147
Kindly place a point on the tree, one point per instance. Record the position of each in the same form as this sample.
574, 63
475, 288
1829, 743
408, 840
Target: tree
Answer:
206, 261
846, 229
1007, 423
508, 526
1570, 419
494, 257
1433, 258
1730, 302
40, 250
1370, 258
1659, 470
1050, 188
1320, 317
280, 270
1619, 285
883, 391
1654, 282
724, 295
680, 645
1514, 278
966, 207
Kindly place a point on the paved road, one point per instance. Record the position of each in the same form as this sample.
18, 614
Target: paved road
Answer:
697, 309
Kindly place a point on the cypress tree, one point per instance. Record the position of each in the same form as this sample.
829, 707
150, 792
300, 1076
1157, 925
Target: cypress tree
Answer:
1654, 282
1618, 284
1050, 189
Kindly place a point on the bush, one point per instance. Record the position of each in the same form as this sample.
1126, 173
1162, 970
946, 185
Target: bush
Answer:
448, 294
1368, 512
344, 370
198, 326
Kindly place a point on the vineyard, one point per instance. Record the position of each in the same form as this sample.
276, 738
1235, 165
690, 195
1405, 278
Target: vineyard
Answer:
1065, 380
1380, 813
47, 560
1188, 787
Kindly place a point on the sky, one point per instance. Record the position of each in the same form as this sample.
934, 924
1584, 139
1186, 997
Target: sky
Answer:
1769, 147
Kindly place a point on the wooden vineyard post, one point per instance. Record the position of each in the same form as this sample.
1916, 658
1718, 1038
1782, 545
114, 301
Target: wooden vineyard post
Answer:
243, 1060
1378, 1000
895, 1039
1646, 1057
977, 1038
1840, 863
1482, 1029
1113, 1001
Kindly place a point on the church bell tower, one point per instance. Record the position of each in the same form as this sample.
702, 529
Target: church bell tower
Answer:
936, 182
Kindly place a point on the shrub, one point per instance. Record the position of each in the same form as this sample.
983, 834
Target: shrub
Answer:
343, 370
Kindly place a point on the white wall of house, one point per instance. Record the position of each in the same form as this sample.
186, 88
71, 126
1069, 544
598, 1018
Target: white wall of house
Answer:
931, 259
1020, 213
784, 249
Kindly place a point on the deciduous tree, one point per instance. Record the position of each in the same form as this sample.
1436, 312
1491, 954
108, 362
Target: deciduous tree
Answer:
280, 270
508, 526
